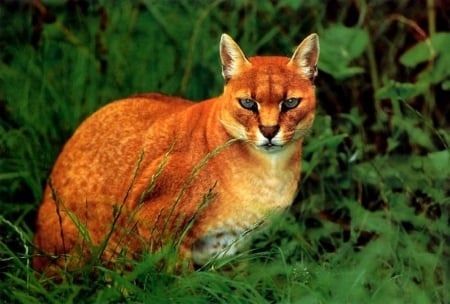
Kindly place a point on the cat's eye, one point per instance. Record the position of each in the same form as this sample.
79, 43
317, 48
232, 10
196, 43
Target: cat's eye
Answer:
290, 103
248, 104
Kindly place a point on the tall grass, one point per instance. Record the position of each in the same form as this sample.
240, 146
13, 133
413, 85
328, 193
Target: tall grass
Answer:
371, 220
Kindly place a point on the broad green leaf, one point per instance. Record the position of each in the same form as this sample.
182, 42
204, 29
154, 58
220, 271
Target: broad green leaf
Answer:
392, 143
446, 85
426, 50
438, 72
329, 141
344, 42
417, 134
339, 71
438, 163
339, 46
399, 91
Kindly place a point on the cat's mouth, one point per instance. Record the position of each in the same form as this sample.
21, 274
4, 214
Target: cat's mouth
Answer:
270, 147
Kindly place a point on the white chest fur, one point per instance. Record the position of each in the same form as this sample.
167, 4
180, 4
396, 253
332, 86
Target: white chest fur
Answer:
254, 194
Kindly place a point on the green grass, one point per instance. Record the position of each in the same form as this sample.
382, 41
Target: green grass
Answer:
371, 221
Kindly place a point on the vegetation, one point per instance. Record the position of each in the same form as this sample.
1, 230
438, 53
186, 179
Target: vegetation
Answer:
371, 221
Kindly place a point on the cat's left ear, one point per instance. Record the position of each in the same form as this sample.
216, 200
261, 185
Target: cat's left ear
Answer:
232, 57
306, 56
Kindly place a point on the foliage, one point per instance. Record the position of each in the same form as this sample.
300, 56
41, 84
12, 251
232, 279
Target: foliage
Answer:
371, 221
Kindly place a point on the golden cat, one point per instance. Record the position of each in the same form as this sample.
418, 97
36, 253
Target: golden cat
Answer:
150, 169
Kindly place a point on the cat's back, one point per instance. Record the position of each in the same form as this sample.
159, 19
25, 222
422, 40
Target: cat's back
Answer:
107, 145
129, 117
139, 109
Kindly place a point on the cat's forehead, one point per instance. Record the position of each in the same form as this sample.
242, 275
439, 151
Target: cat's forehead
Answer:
262, 61
270, 78
269, 65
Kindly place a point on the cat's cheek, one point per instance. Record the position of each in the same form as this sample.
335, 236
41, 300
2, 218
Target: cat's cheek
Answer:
307, 121
301, 119
245, 119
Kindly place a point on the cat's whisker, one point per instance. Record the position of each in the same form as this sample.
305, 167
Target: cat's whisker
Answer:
298, 133
304, 131
237, 130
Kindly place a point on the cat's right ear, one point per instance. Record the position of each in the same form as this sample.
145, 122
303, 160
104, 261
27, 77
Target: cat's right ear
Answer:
306, 56
232, 57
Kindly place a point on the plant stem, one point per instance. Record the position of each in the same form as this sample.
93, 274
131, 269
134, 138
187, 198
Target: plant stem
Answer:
430, 96
373, 69
431, 11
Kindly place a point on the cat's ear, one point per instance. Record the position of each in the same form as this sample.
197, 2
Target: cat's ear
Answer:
306, 56
232, 57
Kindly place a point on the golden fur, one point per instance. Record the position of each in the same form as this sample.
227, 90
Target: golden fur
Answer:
137, 172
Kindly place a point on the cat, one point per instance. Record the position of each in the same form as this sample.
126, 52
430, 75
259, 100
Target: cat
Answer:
150, 169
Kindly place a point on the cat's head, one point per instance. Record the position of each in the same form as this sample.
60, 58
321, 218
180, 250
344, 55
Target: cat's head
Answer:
268, 101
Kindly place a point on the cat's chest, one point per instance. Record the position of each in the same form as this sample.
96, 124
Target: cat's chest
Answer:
249, 192
266, 183
243, 203
264, 190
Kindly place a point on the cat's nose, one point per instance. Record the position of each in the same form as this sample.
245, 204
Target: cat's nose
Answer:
269, 132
